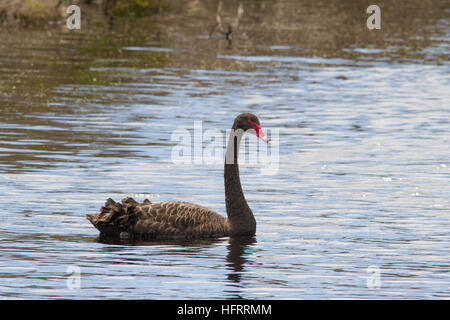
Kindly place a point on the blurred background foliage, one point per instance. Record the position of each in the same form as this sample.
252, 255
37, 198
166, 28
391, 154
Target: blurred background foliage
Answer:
38, 11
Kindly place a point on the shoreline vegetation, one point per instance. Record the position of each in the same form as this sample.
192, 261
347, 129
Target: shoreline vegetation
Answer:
25, 12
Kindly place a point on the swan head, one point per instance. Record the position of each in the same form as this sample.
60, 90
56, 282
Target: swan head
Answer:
248, 122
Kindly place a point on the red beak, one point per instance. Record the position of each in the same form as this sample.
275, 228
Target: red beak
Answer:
258, 131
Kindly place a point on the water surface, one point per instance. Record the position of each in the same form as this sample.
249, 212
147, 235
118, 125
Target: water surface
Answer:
364, 152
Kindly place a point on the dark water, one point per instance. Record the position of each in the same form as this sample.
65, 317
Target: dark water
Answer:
359, 204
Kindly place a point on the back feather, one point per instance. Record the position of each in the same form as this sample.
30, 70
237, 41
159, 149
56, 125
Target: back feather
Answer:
164, 220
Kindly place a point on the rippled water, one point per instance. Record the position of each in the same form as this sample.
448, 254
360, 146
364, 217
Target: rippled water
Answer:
362, 184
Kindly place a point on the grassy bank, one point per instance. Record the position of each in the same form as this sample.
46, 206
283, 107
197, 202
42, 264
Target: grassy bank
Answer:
29, 10
40, 11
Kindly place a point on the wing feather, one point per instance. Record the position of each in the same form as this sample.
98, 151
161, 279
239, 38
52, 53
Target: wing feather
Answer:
146, 220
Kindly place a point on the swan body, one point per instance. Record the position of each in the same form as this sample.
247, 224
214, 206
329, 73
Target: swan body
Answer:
163, 220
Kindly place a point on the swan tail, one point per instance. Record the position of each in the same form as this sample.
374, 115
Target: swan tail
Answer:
115, 218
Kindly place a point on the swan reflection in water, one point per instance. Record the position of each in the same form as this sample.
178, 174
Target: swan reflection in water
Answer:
237, 259
239, 250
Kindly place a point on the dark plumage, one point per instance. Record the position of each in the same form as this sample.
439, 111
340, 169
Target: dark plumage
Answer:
163, 220
183, 220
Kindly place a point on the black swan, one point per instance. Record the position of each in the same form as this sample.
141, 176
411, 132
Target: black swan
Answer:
227, 25
183, 220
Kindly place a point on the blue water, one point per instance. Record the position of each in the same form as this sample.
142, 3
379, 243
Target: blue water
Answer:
358, 206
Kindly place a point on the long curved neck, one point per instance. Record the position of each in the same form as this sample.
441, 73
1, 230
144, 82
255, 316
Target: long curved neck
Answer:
240, 216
